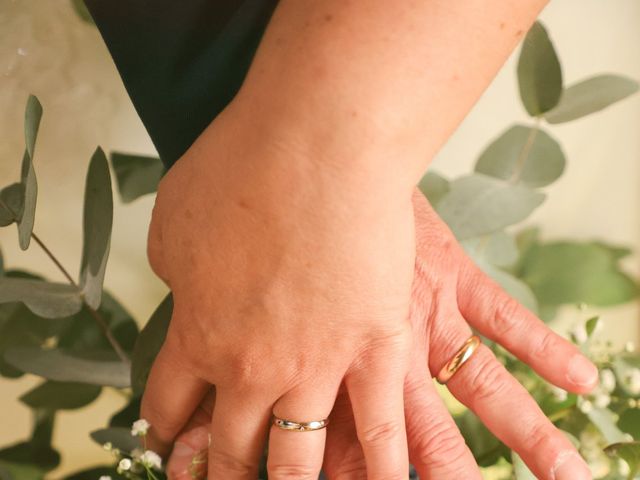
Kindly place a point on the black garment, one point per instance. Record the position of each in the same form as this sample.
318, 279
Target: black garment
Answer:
182, 61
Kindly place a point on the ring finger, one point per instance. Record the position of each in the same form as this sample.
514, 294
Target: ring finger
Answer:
485, 386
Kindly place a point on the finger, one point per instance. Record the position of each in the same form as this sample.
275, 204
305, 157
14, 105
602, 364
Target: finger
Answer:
495, 314
295, 454
188, 459
507, 409
376, 392
171, 395
343, 456
238, 435
436, 447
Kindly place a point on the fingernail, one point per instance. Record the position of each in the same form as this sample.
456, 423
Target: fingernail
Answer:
582, 372
571, 466
182, 450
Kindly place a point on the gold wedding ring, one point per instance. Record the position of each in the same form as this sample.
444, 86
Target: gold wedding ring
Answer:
462, 355
300, 427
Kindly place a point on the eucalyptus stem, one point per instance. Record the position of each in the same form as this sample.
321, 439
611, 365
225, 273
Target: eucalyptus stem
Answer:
94, 313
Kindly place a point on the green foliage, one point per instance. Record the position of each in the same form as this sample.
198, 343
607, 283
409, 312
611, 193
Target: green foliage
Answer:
572, 272
62, 366
60, 395
136, 175
47, 299
434, 187
119, 437
522, 154
11, 204
539, 73
98, 220
479, 205
33, 115
590, 96
83, 13
148, 345
630, 453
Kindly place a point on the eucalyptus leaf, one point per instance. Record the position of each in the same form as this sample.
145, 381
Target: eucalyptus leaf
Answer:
32, 117
83, 12
47, 299
37, 451
539, 72
629, 452
479, 205
590, 96
498, 249
605, 421
127, 415
568, 272
148, 344
20, 471
60, 366
629, 422
61, 395
11, 204
119, 437
434, 186
136, 175
97, 224
523, 154
591, 324
28, 216
484, 446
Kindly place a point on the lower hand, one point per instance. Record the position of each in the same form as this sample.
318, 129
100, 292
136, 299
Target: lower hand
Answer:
449, 294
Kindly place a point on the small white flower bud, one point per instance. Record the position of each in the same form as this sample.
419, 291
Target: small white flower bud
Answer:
579, 333
585, 406
140, 428
602, 400
151, 459
559, 394
105, 477
608, 380
107, 446
124, 465
633, 381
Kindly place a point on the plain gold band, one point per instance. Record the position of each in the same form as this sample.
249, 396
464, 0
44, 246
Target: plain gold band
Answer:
460, 358
292, 426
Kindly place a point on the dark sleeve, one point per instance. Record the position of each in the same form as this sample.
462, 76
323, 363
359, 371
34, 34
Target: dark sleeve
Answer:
181, 61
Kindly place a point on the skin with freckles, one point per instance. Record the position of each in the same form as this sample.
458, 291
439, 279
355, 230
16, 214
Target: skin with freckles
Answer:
306, 280
436, 447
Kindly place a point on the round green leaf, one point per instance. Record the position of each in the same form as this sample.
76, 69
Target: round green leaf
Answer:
61, 395
539, 72
11, 204
98, 221
136, 175
434, 187
523, 154
590, 96
479, 205
47, 299
119, 437
148, 344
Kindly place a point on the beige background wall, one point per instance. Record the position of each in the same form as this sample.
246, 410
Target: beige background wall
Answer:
46, 50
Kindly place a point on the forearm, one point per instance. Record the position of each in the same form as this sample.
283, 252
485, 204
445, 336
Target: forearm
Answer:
374, 86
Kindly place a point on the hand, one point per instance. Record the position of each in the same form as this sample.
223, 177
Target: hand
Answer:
447, 286
288, 278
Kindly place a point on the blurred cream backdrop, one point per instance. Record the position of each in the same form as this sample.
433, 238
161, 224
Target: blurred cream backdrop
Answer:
46, 50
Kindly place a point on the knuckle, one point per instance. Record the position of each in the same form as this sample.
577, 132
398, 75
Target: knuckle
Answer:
505, 316
538, 438
381, 434
439, 446
546, 345
226, 465
296, 471
488, 382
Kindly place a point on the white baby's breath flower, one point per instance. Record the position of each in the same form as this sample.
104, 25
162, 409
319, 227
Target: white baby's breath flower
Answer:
558, 393
124, 465
105, 477
107, 446
602, 400
140, 428
151, 459
579, 333
585, 406
623, 468
633, 381
607, 380
136, 453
